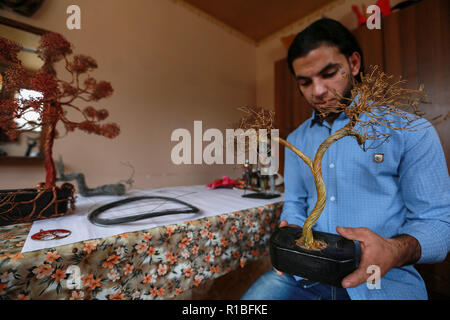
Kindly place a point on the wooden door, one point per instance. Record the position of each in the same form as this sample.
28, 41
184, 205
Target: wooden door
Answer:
291, 109
416, 47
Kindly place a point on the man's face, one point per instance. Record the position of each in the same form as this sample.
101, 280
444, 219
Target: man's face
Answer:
323, 73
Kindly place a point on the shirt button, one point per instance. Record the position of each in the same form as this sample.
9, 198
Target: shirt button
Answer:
332, 165
332, 198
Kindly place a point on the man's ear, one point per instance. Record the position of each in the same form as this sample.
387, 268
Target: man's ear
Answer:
355, 63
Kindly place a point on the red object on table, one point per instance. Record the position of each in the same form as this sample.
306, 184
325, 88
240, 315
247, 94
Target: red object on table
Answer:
225, 182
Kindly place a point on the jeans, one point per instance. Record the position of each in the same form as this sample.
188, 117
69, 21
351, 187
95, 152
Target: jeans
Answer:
271, 286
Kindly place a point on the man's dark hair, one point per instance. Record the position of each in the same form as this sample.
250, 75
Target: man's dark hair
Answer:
324, 31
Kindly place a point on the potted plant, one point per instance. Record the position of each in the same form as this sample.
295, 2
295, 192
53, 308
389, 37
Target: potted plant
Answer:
56, 97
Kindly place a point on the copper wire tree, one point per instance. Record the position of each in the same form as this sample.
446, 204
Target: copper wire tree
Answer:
58, 95
375, 102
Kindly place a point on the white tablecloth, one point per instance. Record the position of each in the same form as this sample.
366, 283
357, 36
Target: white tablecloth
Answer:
211, 202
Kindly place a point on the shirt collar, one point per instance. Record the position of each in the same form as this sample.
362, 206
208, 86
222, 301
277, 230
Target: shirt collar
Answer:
316, 119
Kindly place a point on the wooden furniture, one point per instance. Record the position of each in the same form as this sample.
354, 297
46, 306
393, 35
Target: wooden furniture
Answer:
413, 43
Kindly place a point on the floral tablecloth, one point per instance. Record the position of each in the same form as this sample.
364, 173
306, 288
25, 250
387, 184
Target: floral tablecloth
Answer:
158, 263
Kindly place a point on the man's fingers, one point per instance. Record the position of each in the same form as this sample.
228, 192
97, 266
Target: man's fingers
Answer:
283, 223
357, 234
278, 272
356, 278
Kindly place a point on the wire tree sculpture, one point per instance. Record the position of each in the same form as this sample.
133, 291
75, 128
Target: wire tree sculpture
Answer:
58, 95
374, 103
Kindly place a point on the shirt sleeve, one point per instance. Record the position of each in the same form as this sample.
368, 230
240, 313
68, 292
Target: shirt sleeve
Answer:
425, 188
295, 204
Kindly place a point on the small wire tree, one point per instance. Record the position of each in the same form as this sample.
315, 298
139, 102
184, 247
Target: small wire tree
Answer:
58, 95
375, 102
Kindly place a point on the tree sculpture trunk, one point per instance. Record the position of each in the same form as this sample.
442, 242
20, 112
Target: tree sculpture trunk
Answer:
51, 121
307, 240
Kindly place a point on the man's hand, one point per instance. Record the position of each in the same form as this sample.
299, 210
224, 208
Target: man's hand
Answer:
383, 252
284, 223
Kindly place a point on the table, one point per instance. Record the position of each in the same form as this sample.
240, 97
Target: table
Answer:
156, 263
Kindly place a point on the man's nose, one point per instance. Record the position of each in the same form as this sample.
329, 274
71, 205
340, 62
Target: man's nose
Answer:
319, 89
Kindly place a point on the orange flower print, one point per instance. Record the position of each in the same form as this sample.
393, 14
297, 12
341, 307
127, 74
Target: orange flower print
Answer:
236, 254
178, 291
162, 269
77, 295
4, 277
22, 296
3, 286
17, 256
90, 246
170, 231
184, 242
59, 275
214, 269
254, 253
208, 224
261, 230
224, 242
151, 251
233, 229
52, 256
171, 258
94, 283
118, 295
147, 279
223, 218
197, 279
146, 236
210, 236
87, 278
207, 258
128, 269
218, 251
111, 261
42, 271
154, 292
187, 272
141, 247
204, 233
195, 250
161, 292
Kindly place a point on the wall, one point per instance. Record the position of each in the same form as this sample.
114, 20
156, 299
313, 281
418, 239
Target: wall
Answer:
168, 67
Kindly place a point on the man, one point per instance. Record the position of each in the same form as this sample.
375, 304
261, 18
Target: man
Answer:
394, 201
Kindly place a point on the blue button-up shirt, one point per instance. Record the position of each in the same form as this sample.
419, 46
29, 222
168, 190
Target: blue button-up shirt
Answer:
407, 191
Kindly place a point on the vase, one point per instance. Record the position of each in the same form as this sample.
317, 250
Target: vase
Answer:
27, 205
327, 266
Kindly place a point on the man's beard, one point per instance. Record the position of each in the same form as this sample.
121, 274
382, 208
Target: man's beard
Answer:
347, 93
333, 111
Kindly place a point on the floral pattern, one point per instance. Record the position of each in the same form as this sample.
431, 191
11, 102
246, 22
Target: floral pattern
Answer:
158, 263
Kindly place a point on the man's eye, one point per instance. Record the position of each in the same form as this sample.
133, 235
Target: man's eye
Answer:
329, 75
304, 83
